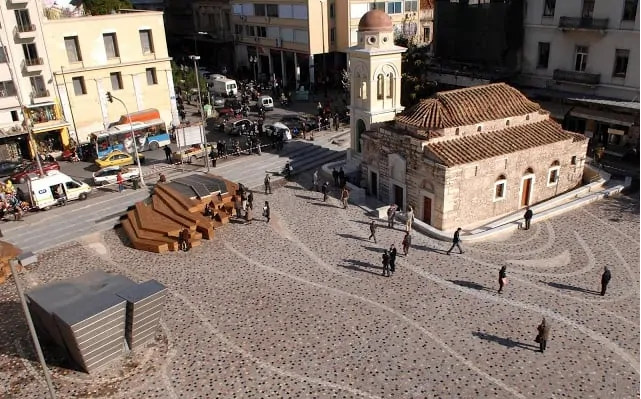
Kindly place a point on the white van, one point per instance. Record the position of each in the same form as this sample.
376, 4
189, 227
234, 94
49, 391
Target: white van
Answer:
224, 86
266, 102
55, 188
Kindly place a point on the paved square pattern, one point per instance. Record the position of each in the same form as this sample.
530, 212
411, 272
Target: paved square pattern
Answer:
298, 308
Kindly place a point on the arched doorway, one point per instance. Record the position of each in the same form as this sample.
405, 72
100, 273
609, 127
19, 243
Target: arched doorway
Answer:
360, 129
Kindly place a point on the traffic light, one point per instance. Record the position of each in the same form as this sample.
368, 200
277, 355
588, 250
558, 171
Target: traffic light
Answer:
109, 97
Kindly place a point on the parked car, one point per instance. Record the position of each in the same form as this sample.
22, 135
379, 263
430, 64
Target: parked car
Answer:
108, 175
7, 168
240, 127
277, 128
118, 158
234, 104
20, 175
297, 121
218, 101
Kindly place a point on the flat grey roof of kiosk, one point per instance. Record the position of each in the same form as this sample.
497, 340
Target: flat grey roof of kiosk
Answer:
197, 185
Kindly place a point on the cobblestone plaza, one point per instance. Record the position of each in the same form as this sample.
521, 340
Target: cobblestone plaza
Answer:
298, 308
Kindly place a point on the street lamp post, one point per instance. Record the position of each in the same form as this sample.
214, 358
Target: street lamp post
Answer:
195, 58
111, 99
322, 2
195, 40
253, 60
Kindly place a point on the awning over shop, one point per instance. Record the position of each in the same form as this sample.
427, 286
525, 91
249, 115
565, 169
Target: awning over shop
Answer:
603, 116
556, 110
10, 132
49, 126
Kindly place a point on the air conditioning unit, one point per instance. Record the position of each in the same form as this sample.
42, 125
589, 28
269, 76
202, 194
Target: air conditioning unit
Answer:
243, 18
279, 42
257, 39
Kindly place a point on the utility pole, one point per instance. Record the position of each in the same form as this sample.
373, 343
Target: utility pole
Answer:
203, 137
322, 2
111, 99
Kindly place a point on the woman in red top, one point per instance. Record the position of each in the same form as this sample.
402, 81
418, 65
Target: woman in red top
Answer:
121, 182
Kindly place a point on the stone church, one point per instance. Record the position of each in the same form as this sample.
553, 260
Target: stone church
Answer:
461, 157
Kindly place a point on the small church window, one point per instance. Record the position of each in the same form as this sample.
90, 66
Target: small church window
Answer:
380, 82
390, 86
499, 188
364, 90
478, 129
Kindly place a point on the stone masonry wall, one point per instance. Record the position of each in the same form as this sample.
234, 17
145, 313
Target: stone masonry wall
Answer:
469, 189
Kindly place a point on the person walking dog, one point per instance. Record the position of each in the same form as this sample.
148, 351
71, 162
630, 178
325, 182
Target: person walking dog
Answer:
528, 217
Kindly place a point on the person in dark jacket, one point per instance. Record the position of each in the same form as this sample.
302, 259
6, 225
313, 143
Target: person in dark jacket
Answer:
456, 242
324, 190
605, 279
386, 271
372, 231
543, 335
502, 278
392, 258
407, 243
266, 211
528, 217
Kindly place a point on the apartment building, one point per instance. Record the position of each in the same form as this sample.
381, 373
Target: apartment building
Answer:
301, 42
583, 57
26, 90
213, 38
123, 53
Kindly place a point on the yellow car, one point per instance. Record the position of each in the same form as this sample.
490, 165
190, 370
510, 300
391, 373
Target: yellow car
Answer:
118, 158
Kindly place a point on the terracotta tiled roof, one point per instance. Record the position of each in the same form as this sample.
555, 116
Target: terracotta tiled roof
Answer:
476, 147
468, 106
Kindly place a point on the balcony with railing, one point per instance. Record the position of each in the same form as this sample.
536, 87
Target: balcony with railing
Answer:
17, 3
578, 77
31, 65
576, 23
25, 32
43, 93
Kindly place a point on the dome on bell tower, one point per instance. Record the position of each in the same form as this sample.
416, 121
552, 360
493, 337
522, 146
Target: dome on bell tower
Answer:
375, 21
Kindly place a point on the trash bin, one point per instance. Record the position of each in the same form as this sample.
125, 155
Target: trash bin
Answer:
135, 182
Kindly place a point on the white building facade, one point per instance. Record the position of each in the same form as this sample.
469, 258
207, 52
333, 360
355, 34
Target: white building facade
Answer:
584, 54
25, 77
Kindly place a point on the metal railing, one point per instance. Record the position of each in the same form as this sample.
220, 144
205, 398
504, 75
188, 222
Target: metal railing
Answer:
583, 23
25, 28
577, 77
40, 93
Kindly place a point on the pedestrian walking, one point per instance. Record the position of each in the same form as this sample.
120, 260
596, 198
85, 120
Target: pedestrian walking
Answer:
268, 184
372, 231
315, 180
167, 153
391, 213
543, 333
341, 176
325, 190
528, 217
386, 271
392, 258
335, 176
605, 280
248, 215
250, 200
456, 242
237, 205
407, 243
344, 197
410, 219
502, 278
266, 211
121, 182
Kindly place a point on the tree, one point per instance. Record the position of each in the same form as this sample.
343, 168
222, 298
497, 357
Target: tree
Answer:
101, 7
346, 80
415, 85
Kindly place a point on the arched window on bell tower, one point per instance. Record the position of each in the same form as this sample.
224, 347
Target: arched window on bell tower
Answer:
390, 85
358, 86
380, 86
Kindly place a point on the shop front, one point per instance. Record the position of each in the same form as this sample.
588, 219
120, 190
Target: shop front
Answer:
617, 133
50, 130
14, 145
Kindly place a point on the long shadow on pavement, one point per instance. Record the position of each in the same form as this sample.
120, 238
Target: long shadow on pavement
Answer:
359, 265
307, 197
374, 249
428, 249
323, 204
507, 342
470, 284
351, 236
569, 287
